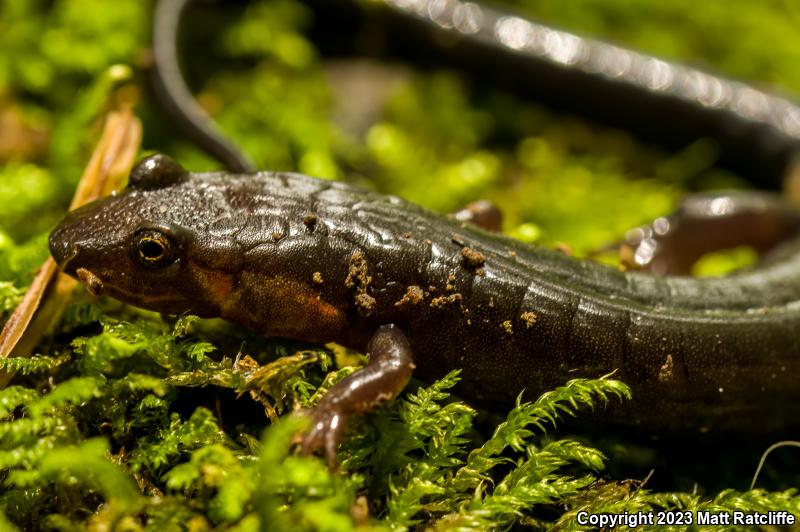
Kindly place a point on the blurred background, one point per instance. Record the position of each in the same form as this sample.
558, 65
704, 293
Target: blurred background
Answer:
435, 136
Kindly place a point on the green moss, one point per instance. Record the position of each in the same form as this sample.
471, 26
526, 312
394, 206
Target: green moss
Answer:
123, 420
722, 262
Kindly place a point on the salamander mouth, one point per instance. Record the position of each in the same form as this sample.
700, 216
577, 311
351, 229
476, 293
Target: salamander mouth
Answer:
165, 303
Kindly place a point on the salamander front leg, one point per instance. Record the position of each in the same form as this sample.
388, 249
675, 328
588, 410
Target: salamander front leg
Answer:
381, 380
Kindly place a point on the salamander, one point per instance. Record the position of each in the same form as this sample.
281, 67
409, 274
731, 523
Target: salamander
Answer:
297, 257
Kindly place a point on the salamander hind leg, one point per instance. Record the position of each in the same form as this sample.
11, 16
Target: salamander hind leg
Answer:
381, 380
710, 222
483, 214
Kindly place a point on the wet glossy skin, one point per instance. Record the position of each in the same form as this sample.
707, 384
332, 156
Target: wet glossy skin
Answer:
321, 261
318, 261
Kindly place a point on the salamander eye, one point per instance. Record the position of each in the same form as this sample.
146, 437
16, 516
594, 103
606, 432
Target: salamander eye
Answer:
153, 248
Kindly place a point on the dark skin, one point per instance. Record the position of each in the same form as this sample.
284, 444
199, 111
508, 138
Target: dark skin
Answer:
319, 261
291, 256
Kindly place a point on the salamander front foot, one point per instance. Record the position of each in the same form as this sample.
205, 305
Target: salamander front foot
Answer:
381, 380
325, 434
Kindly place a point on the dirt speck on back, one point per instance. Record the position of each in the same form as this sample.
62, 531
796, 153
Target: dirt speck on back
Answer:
472, 259
310, 221
413, 296
358, 277
666, 372
508, 327
529, 318
444, 301
365, 304
316, 277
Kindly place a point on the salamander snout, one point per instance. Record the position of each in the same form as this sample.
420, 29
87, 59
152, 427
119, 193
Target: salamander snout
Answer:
69, 246
70, 254
79, 233
62, 249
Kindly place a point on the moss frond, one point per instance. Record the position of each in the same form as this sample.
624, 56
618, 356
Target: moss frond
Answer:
129, 422
34, 364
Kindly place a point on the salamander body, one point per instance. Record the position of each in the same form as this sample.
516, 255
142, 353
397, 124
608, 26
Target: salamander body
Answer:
297, 257
293, 256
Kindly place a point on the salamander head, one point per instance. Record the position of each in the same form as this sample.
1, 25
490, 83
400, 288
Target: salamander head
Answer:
135, 245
